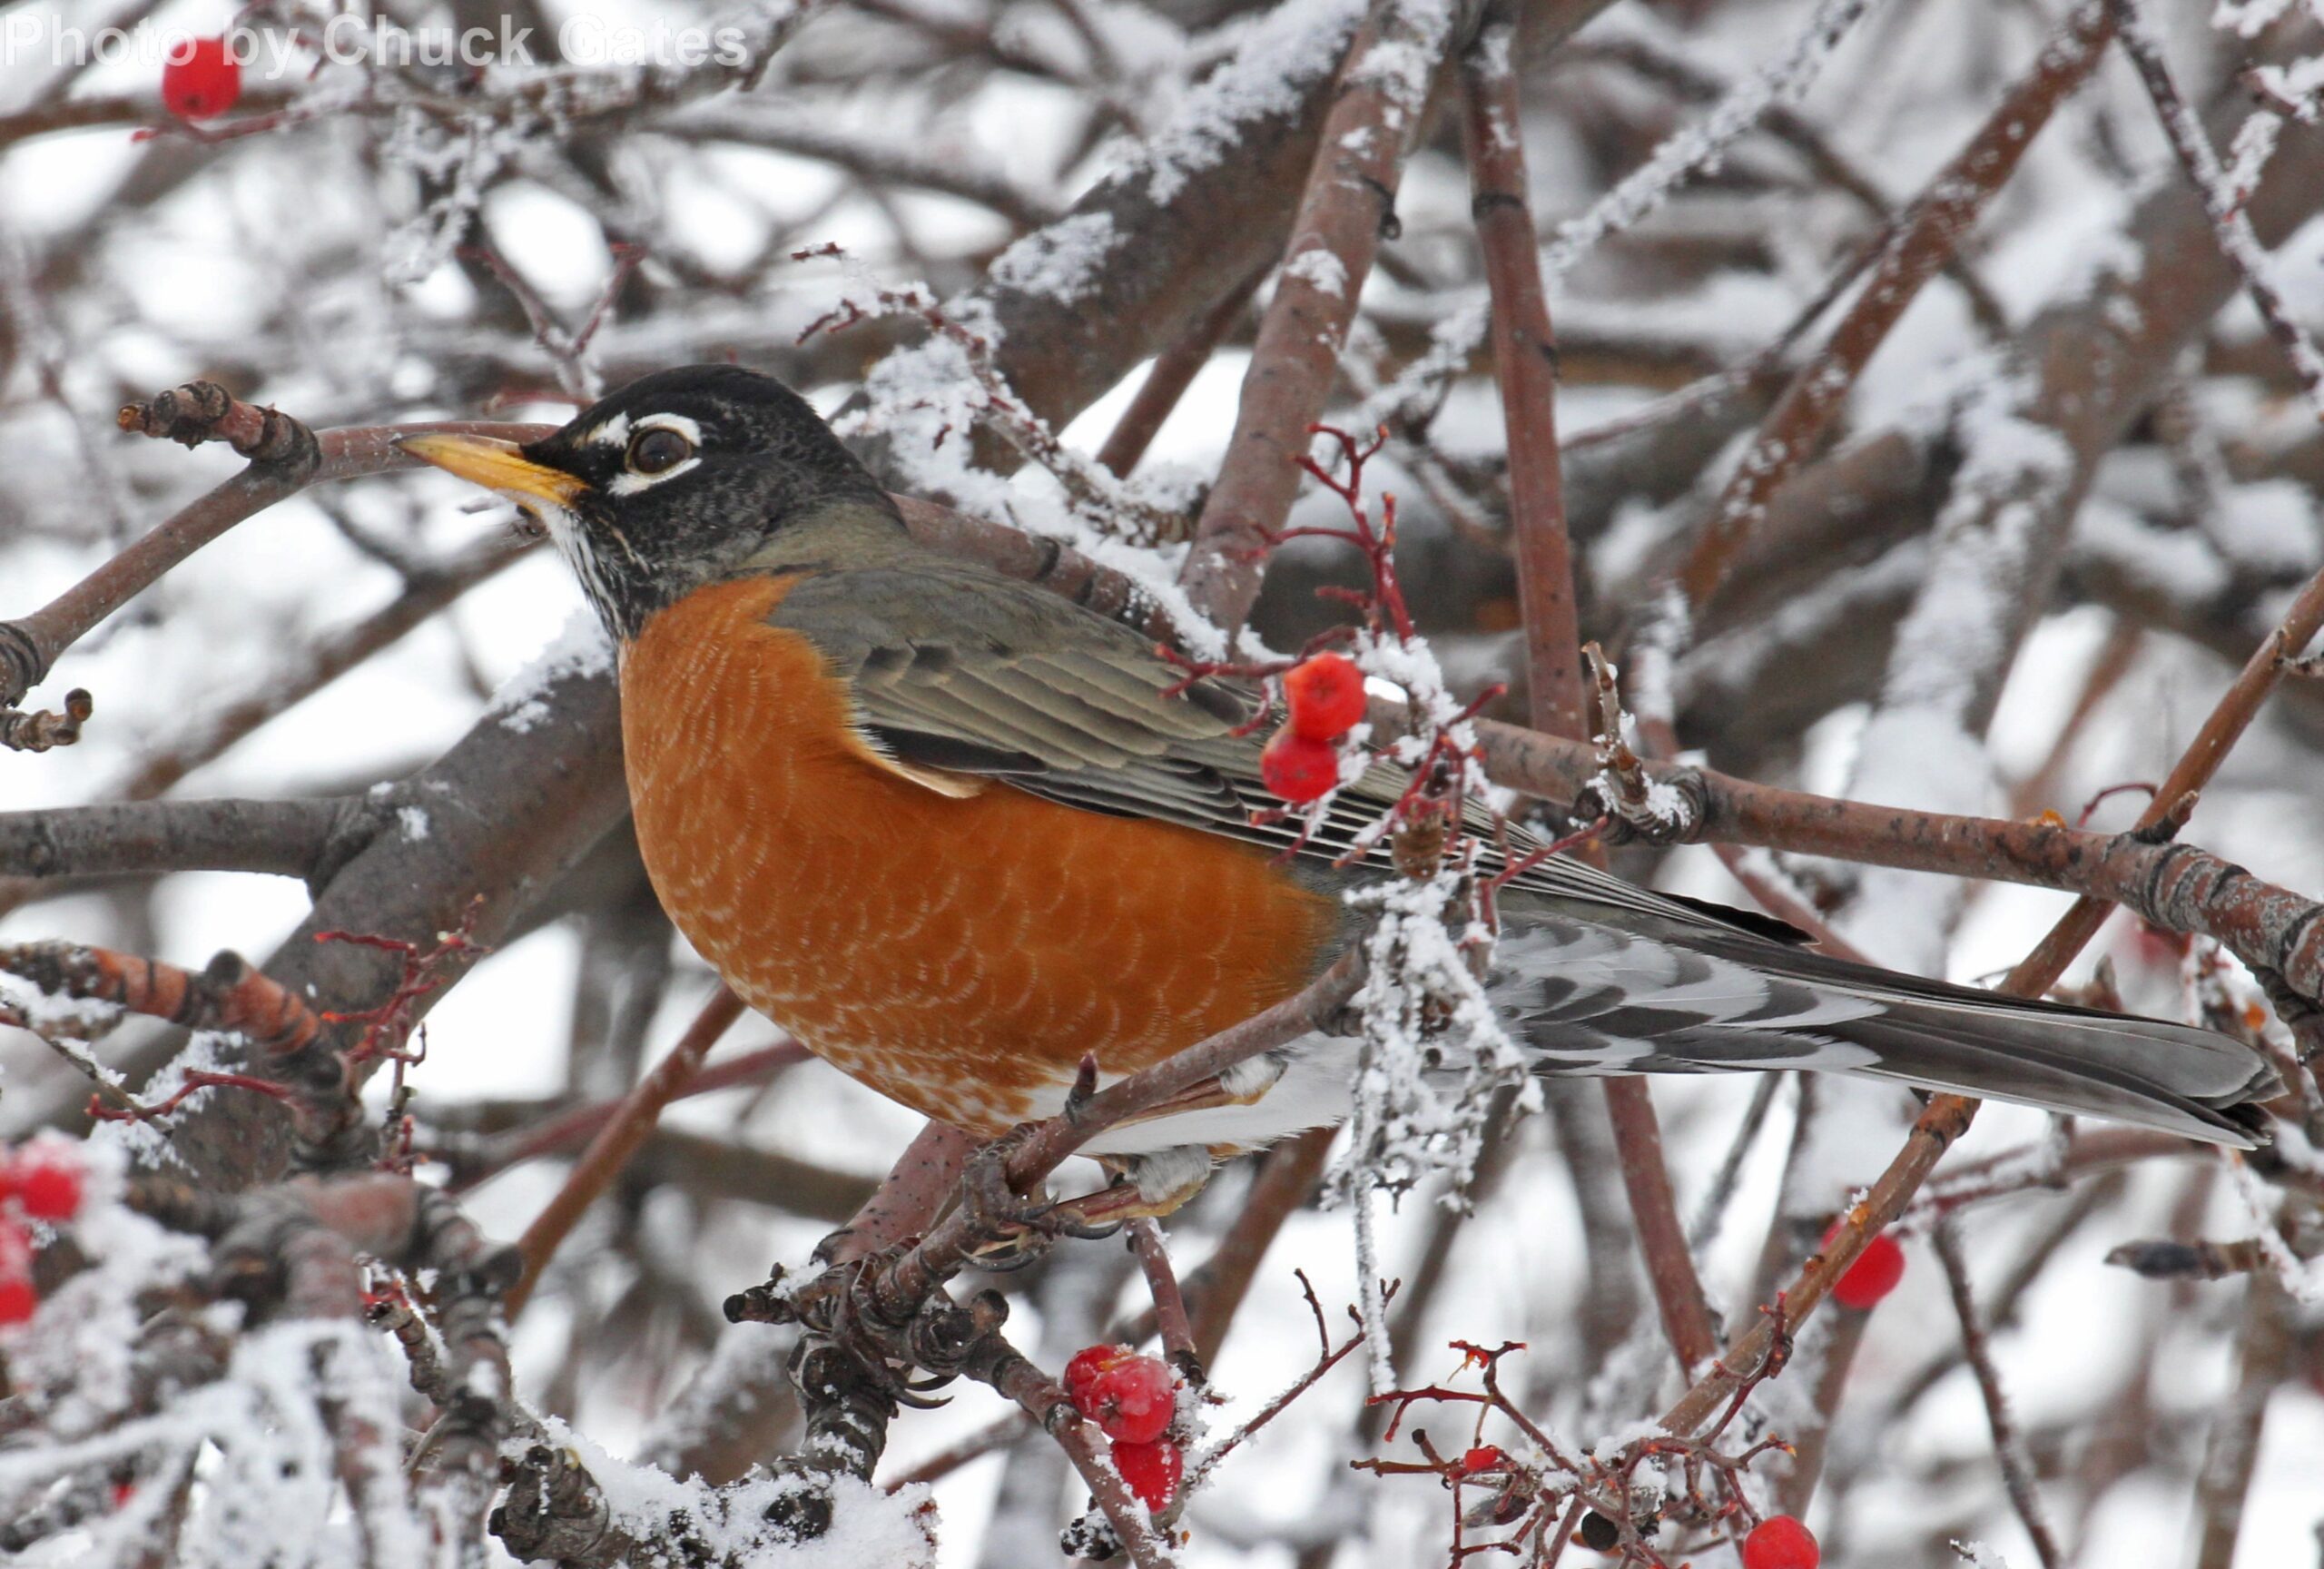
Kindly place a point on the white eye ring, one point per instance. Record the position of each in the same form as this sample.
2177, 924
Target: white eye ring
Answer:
635, 478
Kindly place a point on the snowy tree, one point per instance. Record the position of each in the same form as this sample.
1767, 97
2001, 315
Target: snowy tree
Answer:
1853, 462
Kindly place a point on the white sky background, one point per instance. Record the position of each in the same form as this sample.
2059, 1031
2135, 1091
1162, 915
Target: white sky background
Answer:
192, 275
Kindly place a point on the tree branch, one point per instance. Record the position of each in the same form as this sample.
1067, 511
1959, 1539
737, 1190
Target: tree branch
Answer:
288, 838
1929, 237
1348, 203
614, 1143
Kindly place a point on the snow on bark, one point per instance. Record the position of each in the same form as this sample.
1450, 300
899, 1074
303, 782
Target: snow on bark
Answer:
1061, 259
927, 400
1701, 148
2247, 18
2301, 1279
1403, 64
582, 650
1321, 267
869, 1526
1977, 1556
2222, 200
1286, 53
1737, 661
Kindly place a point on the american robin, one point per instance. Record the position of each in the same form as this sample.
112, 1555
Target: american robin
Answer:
955, 832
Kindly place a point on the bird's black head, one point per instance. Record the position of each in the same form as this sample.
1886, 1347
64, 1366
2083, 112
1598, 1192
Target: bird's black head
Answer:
675, 480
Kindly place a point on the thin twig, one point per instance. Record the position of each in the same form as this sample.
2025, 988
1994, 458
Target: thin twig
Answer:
2233, 1451
30, 646
618, 1139
1930, 236
2237, 243
1170, 1303
1524, 353
1218, 1285
1173, 372
2009, 1449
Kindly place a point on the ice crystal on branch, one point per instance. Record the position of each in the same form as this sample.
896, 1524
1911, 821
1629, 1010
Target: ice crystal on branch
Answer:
1432, 1054
1432, 1049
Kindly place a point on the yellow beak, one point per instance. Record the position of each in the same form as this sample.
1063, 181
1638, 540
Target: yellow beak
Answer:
496, 465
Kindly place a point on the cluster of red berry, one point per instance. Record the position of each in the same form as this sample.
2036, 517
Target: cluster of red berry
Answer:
1133, 1399
201, 78
39, 1182
1301, 760
1873, 1274
1780, 1541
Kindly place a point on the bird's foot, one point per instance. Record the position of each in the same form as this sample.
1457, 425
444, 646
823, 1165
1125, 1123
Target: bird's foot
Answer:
1144, 1188
1020, 1228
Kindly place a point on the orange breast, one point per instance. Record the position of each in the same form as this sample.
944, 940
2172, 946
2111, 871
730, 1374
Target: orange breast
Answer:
958, 955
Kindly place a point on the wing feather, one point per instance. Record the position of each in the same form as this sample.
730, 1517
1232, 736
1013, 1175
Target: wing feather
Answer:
969, 672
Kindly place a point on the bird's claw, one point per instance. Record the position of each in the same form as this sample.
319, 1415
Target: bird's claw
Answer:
1019, 1230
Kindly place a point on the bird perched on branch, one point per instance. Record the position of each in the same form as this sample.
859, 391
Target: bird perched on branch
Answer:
955, 832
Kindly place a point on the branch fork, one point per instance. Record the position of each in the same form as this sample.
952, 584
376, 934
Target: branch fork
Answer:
1637, 807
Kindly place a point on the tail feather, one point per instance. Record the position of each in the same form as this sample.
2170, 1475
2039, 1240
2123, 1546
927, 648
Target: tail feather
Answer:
1588, 994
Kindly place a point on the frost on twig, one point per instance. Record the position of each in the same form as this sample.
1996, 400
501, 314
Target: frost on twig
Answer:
928, 401
2223, 196
1694, 150
1433, 1051
1923, 746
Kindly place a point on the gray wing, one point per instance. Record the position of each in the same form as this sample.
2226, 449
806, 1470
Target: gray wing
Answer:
973, 673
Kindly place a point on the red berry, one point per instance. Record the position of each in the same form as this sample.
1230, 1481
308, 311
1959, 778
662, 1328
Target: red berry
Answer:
1483, 1457
1299, 768
1082, 1373
199, 79
18, 1296
1151, 1470
1326, 696
1873, 1275
17, 1301
47, 1183
1780, 1542
1136, 1399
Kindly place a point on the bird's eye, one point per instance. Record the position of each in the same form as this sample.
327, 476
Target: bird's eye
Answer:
657, 449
